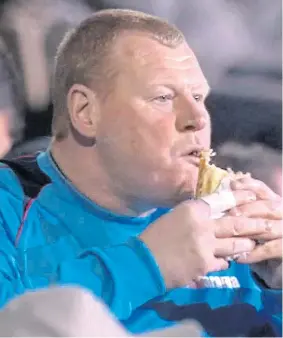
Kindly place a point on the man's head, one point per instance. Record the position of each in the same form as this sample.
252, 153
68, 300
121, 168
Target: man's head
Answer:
128, 87
264, 163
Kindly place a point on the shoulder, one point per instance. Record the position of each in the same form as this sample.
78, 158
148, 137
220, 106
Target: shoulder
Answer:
22, 176
20, 182
9, 183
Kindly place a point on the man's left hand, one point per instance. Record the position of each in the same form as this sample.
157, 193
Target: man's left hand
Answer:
268, 206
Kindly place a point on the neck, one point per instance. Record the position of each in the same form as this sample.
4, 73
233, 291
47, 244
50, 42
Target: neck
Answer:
83, 168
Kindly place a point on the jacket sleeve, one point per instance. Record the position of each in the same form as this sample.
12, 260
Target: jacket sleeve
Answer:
125, 276
271, 300
11, 209
10, 280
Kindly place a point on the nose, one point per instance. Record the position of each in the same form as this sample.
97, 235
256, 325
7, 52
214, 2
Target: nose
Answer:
193, 118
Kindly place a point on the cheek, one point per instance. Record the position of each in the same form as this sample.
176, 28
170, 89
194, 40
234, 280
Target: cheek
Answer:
204, 136
164, 132
147, 130
140, 135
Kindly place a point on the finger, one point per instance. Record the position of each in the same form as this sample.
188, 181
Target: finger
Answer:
243, 197
220, 264
258, 187
230, 226
269, 209
268, 250
223, 201
232, 246
275, 232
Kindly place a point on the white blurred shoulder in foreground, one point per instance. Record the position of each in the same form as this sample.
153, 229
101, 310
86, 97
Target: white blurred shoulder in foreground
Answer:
70, 312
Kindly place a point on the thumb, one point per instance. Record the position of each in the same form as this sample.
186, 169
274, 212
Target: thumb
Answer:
196, 209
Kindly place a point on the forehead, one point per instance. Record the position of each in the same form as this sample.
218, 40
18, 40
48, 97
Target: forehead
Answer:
148, 60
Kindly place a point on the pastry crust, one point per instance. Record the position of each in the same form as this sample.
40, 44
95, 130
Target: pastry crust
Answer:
210, 176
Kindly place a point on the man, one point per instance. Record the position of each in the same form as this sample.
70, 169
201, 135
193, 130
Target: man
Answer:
264, 163
129, 123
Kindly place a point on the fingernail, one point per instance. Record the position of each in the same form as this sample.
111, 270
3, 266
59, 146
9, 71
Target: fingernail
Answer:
243, 245
252, 197
237, 213
242, 256
230, 258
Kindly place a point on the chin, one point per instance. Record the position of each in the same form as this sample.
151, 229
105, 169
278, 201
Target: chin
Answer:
181, 193
185, 189
169, 196
172, 187
185, 194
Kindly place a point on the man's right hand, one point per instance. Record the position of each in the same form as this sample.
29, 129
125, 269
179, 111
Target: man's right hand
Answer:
188, 244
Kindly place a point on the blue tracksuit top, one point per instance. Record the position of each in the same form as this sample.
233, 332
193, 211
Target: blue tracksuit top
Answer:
52, 234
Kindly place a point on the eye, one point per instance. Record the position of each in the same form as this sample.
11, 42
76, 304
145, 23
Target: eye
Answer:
164, 98
198, 97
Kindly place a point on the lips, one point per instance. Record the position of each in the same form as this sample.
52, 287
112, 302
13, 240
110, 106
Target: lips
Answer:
192, 150
192, 154
195, 160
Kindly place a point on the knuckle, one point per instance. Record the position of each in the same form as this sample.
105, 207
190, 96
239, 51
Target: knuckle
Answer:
258, 183
203, 266
234, 246
268, 250
236, 211
238, 226
266, 225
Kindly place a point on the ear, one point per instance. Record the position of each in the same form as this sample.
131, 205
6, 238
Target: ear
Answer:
83, 110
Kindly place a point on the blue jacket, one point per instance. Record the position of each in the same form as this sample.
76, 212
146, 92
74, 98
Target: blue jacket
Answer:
52, 234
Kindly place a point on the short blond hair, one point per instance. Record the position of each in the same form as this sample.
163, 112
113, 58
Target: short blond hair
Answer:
84, 55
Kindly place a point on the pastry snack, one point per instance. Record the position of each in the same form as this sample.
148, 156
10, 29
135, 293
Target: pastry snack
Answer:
214, 189
211, 176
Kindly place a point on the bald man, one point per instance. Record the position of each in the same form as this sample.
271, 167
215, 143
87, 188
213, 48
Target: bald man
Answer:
109, 205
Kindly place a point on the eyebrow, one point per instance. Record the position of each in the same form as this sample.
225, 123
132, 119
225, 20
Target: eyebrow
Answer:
200, 86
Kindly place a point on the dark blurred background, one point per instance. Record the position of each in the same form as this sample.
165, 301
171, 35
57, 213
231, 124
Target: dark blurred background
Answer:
238, 43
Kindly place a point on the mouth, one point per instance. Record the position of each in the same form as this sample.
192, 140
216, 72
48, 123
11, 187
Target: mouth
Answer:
195, 153
192, 155
192, 158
